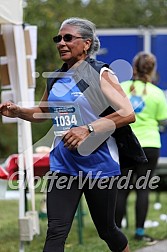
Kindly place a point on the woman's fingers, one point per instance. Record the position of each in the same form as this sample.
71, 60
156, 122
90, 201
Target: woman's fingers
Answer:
71, 144
9, 109
70, 140
74, 136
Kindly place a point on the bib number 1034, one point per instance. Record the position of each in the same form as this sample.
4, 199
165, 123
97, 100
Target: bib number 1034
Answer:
66, 117
65, 120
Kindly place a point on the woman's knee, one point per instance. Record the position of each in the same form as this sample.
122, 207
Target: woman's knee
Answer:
58, 231
115, 239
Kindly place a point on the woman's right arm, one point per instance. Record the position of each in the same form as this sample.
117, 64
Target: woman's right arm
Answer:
12, 110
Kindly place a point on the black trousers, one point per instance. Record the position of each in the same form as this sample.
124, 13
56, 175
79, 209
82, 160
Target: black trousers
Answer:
62, 202
139, 172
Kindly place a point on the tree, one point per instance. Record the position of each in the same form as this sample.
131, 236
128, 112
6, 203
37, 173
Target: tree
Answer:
48, 15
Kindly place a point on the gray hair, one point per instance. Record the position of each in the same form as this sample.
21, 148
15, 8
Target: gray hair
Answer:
87, 30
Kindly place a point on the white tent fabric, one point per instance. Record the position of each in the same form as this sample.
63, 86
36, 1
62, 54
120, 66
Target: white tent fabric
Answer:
11, 11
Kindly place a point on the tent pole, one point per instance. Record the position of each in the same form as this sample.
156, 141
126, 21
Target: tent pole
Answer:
21, 179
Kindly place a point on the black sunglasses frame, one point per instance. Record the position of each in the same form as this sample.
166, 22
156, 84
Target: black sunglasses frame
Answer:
67, 38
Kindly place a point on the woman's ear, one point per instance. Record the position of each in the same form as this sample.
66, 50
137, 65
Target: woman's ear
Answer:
88, 43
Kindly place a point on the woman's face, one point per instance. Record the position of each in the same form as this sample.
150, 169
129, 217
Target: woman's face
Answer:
74, 50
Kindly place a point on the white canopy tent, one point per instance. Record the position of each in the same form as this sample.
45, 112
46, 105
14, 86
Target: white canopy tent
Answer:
11, 11
11, 20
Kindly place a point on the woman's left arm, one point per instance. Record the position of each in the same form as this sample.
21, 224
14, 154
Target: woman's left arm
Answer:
119, 102
117, 99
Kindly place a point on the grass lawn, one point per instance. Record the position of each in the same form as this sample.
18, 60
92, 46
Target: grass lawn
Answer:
9, 234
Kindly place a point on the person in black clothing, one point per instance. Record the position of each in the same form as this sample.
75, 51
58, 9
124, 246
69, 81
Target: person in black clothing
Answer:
150, 107
93, 107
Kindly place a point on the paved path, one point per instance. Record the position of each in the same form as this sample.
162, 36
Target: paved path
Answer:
161, 246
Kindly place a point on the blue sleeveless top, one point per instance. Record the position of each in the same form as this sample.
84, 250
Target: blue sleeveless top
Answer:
103, 161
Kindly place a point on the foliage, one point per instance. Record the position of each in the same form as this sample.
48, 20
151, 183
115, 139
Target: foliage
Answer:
48, 15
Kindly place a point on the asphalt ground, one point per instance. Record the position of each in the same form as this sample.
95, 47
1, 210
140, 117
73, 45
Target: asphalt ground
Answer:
160, 246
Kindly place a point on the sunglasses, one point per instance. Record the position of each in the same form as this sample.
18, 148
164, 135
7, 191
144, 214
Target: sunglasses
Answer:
66, 38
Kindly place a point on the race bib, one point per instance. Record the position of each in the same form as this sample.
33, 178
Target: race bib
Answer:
65, 117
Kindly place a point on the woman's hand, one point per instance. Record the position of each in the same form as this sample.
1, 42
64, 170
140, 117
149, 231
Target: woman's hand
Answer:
9, 109
75, 136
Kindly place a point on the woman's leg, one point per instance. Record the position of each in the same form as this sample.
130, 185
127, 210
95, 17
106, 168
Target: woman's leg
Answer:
145, 170
101, 203
121, 204
62, 202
